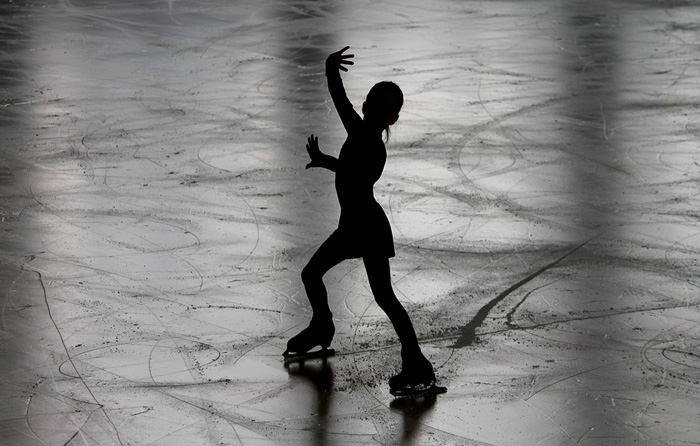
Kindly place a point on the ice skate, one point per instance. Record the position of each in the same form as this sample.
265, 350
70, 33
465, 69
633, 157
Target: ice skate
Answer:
303, 346
415, 380
417, 390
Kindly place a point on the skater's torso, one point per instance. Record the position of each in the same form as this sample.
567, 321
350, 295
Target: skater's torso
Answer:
360, 164
363, 227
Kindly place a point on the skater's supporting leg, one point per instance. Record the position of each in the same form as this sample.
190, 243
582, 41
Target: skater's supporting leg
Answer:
379, 275
329, 254
417, 376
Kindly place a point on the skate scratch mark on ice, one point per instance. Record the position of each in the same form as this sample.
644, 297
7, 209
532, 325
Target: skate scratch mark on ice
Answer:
161, 249
245, 202
551, 420
475, 131
71, 438
469, 331
511, 313
568, 377
557, 322
70, 358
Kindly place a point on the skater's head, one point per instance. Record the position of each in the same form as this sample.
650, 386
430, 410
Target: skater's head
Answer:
383, 103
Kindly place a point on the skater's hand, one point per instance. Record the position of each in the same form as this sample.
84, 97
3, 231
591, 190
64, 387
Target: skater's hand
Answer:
314, 152
337, 60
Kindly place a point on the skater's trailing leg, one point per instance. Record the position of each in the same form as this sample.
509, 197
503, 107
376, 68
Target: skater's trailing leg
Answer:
327, 256
321, 329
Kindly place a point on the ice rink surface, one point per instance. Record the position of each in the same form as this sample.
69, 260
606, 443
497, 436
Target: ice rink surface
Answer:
542, 185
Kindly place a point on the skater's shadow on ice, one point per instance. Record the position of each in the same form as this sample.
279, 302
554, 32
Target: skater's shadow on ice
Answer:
413, 410
319, 375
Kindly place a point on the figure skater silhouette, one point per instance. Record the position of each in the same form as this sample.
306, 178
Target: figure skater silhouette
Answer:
363, 230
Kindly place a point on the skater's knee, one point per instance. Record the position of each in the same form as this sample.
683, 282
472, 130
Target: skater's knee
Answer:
310, 274
383, 291
386, 299
306, 274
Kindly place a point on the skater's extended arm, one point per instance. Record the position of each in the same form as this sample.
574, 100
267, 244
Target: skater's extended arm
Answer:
334, 63
319, 159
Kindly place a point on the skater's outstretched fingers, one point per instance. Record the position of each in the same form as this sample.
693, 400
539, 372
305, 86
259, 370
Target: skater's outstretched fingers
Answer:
314, 151
338, 60
312, 144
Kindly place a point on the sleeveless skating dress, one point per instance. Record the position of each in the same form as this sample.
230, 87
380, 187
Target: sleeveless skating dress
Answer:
363, 229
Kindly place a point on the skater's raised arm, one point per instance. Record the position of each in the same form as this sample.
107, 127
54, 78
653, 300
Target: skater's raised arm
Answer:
319, 159
334, 63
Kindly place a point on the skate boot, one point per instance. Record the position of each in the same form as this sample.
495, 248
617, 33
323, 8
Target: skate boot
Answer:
319, 333
415, 379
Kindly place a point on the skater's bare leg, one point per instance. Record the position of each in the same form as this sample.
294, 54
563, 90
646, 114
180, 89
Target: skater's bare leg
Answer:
321, 329
328, 255
379, 275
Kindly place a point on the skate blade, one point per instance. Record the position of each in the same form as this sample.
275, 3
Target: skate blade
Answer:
298, 357
417, 392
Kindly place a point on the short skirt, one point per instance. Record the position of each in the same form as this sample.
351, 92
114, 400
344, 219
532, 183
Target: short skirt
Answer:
364, 232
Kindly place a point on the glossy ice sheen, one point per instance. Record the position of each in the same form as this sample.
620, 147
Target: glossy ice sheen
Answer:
542, 184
